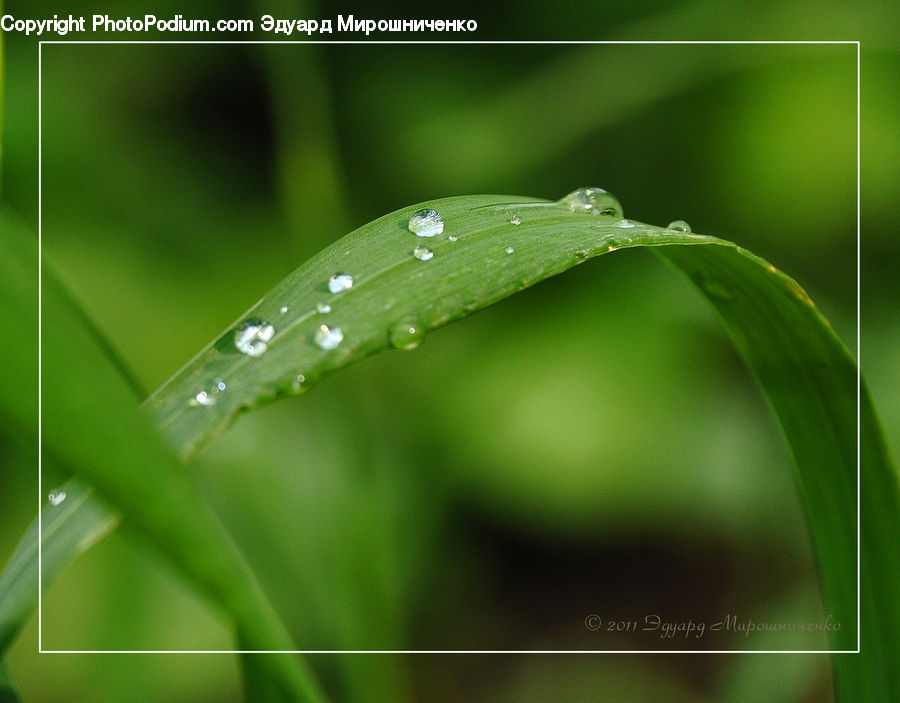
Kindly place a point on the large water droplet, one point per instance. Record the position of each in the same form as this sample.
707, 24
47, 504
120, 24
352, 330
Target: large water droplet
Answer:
593, 201
426, 223
679, 226
252, 337
423, 254
407, 334
340, 282
56, 497
328, 338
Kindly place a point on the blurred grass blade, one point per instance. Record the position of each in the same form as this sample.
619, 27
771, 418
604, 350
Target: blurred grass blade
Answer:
68, 530
89, 404
96, 407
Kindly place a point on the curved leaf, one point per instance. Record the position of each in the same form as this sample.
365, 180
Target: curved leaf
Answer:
493, 246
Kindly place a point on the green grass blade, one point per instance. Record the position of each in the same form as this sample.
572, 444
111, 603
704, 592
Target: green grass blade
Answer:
138, 474
89, 403
481, 257
68, 530
805, 371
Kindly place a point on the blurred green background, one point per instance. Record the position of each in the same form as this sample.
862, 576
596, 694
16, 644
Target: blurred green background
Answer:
592, 445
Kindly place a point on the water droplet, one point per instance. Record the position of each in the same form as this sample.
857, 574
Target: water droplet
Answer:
509, 250
593, 201
426, 223
328, 338
208, 397
56, 497
516, 220
204, 398
323, 308
298, 382
340, 282
423, 254
283, 309
407, 334
453, 238
679, 226
252, 337
624, 224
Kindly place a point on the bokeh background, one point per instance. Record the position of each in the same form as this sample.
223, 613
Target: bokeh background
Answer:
592, 445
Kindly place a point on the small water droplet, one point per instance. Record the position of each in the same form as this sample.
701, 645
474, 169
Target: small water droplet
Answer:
423, 254
593, 201
624, 224
340, 282
252, 337
298, 382
516, 220
453, 238
328, 338
283, 309
323, 308
426, 223
679, 226
408, 333
208, 397
509, 250
56, 497
204, 398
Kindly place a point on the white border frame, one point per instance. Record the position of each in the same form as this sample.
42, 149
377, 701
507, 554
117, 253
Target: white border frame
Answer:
41, 650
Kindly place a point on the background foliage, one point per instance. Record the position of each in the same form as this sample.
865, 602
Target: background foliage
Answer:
591, 445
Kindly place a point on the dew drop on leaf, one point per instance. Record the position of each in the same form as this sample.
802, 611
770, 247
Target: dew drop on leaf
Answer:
426, 223
407, 333
56, 497
328, 338
252, 337
323, 308
423, 254
516, 220
593, 201
679, 226
204, 398
625, 224
340, 282
208, 397
509, 250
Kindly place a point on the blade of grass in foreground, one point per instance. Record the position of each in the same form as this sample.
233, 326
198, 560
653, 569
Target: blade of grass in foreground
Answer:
492, 246
91, 424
